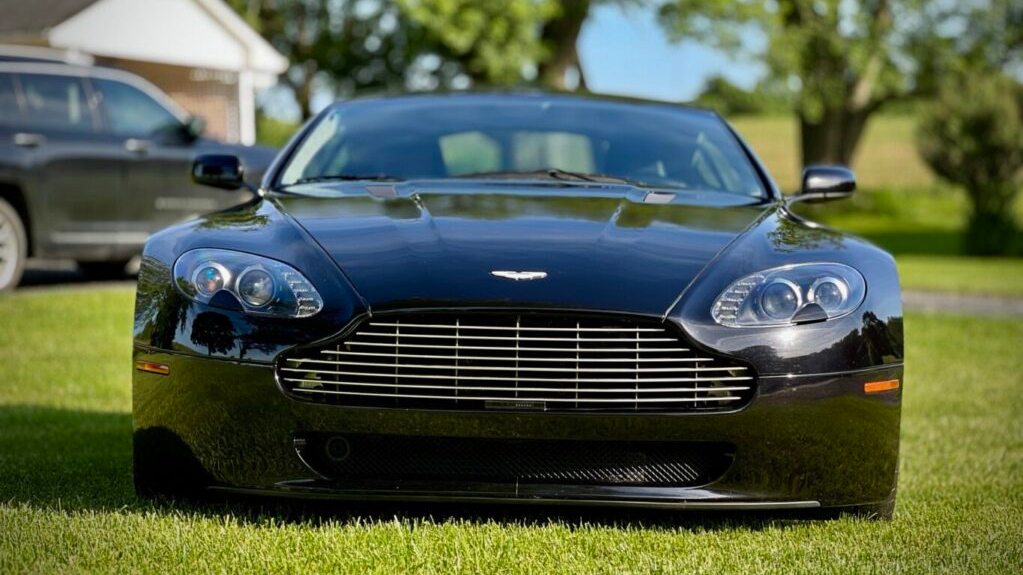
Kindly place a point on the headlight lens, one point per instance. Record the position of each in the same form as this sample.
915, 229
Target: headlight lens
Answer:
256, 287
209, 279
260, 285
780, 299
790, 294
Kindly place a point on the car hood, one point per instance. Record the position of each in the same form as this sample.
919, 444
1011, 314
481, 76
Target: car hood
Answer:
609, 248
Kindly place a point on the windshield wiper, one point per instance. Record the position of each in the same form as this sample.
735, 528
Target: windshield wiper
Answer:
558, 174
347, 178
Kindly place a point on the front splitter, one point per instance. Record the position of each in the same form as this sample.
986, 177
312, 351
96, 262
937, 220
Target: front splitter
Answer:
322, 493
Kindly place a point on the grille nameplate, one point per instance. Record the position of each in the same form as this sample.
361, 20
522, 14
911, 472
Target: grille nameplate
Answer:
475, 361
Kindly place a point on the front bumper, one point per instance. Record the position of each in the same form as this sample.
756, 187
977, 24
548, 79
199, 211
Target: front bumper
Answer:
804, 441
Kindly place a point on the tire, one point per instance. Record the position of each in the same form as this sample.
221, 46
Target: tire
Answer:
104, 270
13, 246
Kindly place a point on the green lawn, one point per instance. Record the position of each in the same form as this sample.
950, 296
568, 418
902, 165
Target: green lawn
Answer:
66, 503
886, 156
922, 228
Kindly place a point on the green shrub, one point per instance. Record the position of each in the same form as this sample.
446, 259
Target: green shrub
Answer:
972, 135
272, 132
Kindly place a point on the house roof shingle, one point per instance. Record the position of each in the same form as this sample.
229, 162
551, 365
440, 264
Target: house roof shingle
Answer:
30, 16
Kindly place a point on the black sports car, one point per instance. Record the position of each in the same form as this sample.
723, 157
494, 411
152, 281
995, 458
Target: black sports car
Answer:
519, 298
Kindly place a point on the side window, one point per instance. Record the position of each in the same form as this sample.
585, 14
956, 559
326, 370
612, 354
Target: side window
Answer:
317, 152
56, 102
130, 111
10, 112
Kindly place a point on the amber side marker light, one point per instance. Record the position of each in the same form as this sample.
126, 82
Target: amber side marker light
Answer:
152, 367
879, 386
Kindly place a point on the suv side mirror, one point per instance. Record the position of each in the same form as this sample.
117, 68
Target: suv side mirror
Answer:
219, 171
826, 183
194, 127
180, 134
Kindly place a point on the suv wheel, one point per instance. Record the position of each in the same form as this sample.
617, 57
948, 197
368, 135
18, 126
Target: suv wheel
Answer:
13, 246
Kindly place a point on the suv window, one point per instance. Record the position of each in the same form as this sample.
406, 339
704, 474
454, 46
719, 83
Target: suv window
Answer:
132, 112
10, 112
57, 102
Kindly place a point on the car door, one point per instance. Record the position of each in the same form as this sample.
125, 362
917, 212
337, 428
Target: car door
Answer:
75, 170
158, 186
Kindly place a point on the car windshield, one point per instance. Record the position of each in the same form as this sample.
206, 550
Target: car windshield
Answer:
523, 137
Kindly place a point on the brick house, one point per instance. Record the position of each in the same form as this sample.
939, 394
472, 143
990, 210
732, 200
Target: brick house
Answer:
199, 52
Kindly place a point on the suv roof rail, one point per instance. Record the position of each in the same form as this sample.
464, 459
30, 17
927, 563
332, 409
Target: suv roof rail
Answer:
11, 53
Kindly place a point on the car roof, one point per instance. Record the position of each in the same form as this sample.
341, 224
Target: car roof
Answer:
101, 72
523, 95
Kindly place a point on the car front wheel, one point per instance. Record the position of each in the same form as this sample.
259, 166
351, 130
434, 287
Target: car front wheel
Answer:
13, 246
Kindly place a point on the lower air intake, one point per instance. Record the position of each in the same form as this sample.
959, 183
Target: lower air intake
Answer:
481, 460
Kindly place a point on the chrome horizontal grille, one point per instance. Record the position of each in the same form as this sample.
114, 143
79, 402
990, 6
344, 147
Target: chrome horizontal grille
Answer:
525, 362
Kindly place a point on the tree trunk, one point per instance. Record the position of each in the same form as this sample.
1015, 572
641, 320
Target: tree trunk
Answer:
833, 138
303, 87
560, 36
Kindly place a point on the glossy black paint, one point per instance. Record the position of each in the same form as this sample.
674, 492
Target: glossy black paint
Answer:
433, 243
811, 439
811, 436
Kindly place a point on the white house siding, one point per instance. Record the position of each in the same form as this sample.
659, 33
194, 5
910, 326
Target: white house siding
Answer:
199, 51
177, 32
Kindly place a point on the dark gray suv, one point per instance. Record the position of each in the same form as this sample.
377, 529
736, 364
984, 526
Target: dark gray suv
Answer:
93, 160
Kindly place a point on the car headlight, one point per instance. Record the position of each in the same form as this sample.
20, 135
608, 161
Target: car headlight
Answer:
800, 293
259, 285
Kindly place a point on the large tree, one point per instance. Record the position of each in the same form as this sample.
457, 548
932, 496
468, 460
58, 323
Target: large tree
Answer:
560, 37
845, 59
493, 42
505, 38
349, 46
340, 46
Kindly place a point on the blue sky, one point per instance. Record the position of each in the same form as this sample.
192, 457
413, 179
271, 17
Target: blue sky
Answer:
623, 51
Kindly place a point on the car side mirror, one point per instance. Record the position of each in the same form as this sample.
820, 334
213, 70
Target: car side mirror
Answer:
194, 127
826, 183
219, 171
180, 134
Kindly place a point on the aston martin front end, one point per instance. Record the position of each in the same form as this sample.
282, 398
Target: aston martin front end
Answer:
522, 298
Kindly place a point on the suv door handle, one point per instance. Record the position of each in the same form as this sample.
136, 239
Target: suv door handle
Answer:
136, 146
27, 140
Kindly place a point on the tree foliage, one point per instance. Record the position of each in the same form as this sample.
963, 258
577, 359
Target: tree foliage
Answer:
848, 58
493, 41
345, 47
341, 46
972, 135
723, 96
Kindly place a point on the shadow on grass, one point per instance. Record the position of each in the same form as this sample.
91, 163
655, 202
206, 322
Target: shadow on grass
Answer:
81, 461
